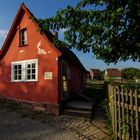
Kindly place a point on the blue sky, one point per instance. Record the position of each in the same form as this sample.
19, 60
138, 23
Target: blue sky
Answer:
44, 9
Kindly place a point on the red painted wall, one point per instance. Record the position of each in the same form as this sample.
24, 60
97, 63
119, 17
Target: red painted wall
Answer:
41, 91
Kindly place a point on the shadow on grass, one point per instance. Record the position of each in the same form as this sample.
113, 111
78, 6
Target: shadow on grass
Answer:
95, 91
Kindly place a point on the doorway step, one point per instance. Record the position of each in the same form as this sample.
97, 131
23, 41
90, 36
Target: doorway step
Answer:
78, 109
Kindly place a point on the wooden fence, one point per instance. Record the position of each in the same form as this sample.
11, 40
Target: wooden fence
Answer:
124, 104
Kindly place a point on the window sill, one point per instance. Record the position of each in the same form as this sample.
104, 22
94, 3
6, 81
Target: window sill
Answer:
23, 45
24, 81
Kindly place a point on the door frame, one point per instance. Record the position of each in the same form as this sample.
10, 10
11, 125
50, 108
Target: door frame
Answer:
62, 84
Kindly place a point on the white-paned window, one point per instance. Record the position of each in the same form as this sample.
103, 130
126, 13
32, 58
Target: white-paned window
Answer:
17, 72
24, 71
23, 37
31, 71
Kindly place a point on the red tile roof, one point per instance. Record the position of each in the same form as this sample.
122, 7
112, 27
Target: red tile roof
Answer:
113, 72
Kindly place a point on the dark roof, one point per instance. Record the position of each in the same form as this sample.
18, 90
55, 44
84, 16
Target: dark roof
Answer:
69, 56
114, 72
95, 70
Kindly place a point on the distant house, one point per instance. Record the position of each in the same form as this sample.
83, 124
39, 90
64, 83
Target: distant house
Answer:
33, 70
112, 74
94, 74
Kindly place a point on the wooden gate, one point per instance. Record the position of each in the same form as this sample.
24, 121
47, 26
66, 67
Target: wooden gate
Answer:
124, 103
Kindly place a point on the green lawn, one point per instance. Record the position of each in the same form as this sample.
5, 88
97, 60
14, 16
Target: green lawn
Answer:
94, 90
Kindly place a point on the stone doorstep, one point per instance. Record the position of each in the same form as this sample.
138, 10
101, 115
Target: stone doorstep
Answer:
77, 113
79, 105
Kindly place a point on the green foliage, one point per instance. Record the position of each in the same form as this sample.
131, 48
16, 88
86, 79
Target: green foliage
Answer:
108, 28
131, 73
26, 110
10, 105
124, 127
105, 105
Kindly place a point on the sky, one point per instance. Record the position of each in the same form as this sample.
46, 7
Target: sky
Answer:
46, 9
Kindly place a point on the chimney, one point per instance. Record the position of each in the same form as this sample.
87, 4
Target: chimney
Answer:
54, 33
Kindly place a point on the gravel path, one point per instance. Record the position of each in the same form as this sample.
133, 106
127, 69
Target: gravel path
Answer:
13, 126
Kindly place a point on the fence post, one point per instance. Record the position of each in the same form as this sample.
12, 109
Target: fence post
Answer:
131, 108
111, 105
123, 109
119, 111
115, 113
136, 115
127, 113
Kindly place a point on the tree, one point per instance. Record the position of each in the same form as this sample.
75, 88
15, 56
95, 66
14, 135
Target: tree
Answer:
131, 73
108, 28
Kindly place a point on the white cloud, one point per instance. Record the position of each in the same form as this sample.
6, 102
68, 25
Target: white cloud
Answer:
3, 33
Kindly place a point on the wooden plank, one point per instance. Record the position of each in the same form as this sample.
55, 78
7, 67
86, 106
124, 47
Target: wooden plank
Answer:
136, 115
110, 90
111, 105
115, 113
123, 113
127, 113
119, 113
132, 114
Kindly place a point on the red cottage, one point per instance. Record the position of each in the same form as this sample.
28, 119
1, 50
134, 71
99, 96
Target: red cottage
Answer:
112, 74
33, 70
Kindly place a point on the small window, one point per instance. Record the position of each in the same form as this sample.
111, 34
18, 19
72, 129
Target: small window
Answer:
24, 70
23, 37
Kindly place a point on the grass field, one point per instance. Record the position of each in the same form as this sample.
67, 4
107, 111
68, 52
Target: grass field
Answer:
95, 90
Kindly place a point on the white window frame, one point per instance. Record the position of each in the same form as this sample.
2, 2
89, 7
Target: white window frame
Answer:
12, 74
24, 70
